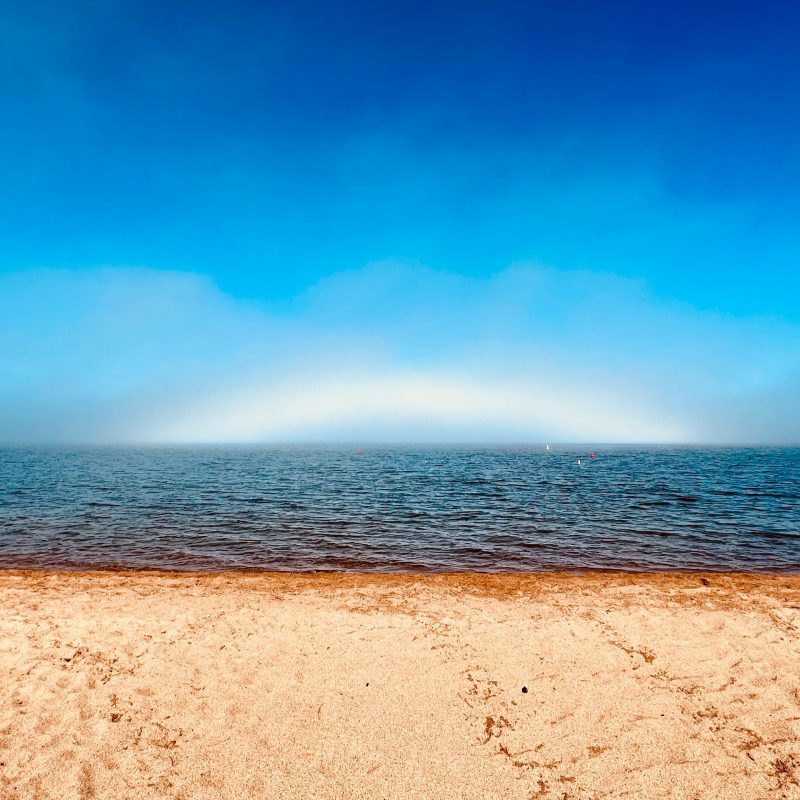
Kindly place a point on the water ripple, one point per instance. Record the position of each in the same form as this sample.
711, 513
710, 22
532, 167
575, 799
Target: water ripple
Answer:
401, 508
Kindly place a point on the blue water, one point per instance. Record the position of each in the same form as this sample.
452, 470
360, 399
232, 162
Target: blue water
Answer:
401, 508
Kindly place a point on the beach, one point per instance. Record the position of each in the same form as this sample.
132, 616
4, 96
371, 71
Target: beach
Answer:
345, 685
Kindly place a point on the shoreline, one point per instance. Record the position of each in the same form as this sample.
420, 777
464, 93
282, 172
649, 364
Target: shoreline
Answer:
475, 581
552, 686
588, 572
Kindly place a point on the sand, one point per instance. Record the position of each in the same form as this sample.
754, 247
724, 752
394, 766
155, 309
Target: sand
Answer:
575, 687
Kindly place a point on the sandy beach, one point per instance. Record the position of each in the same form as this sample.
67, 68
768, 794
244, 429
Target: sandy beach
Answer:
575, 687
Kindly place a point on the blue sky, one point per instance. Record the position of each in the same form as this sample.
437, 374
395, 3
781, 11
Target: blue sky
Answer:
442, 221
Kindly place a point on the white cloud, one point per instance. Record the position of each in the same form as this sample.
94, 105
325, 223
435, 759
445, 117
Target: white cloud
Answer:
390, 352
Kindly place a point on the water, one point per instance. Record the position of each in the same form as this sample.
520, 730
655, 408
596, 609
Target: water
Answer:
401, 508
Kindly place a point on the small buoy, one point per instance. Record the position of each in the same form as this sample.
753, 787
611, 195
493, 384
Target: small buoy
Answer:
592, 455
579, 461
547, 447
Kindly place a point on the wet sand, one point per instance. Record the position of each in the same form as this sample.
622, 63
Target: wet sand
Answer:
562, 686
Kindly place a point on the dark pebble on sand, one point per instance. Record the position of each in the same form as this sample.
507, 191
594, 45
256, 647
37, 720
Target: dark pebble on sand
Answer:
524, 690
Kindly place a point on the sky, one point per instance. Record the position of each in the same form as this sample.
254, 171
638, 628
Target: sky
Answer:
399, 221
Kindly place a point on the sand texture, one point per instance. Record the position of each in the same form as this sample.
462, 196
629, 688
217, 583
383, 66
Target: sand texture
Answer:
141, 685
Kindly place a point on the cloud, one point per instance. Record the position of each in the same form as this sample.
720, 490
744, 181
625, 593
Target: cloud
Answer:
393, 351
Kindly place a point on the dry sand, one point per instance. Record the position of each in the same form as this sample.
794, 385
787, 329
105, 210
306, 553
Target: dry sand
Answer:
356, 686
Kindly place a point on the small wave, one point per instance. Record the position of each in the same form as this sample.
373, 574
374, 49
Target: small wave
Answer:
479, 508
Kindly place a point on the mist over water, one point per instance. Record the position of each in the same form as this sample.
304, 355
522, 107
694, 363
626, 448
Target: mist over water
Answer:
387, 508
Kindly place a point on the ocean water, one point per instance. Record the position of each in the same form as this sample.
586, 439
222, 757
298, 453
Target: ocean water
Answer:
401, 508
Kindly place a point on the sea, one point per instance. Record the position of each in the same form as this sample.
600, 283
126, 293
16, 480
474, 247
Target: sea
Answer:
401, 508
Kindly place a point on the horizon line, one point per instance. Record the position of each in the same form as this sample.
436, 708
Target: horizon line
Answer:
394, 443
